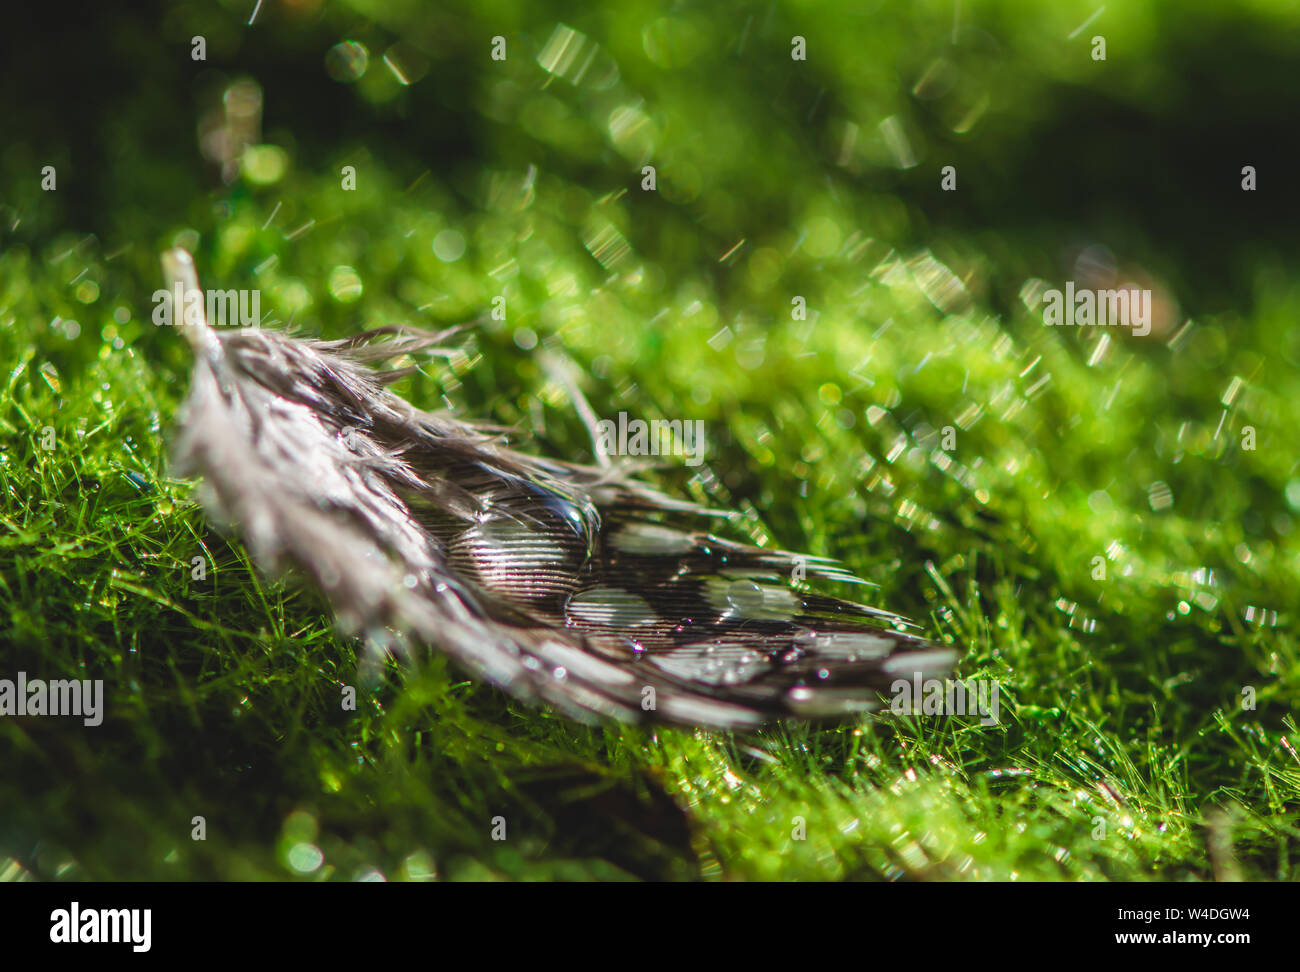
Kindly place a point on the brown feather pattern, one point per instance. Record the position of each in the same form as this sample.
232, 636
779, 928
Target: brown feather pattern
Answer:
576, 586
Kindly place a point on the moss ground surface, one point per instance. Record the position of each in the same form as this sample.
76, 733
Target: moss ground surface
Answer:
1098, 536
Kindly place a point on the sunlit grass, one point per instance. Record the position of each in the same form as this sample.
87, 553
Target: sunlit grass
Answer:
1124, 750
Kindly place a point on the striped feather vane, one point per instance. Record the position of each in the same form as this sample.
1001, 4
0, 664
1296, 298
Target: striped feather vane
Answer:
576, 586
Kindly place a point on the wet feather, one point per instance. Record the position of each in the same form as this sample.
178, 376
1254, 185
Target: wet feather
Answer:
576, 586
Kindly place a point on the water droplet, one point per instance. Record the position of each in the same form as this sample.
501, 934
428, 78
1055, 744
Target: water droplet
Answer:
347, 61
345, 285
51, 376
449, 246
305, 858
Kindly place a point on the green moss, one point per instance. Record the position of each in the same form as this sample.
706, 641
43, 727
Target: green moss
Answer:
1122, 697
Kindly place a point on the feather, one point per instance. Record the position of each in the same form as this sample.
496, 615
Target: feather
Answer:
577, 586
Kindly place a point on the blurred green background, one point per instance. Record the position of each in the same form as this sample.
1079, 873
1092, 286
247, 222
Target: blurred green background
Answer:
777, 179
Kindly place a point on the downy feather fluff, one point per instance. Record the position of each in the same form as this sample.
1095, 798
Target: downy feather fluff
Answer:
572, 585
